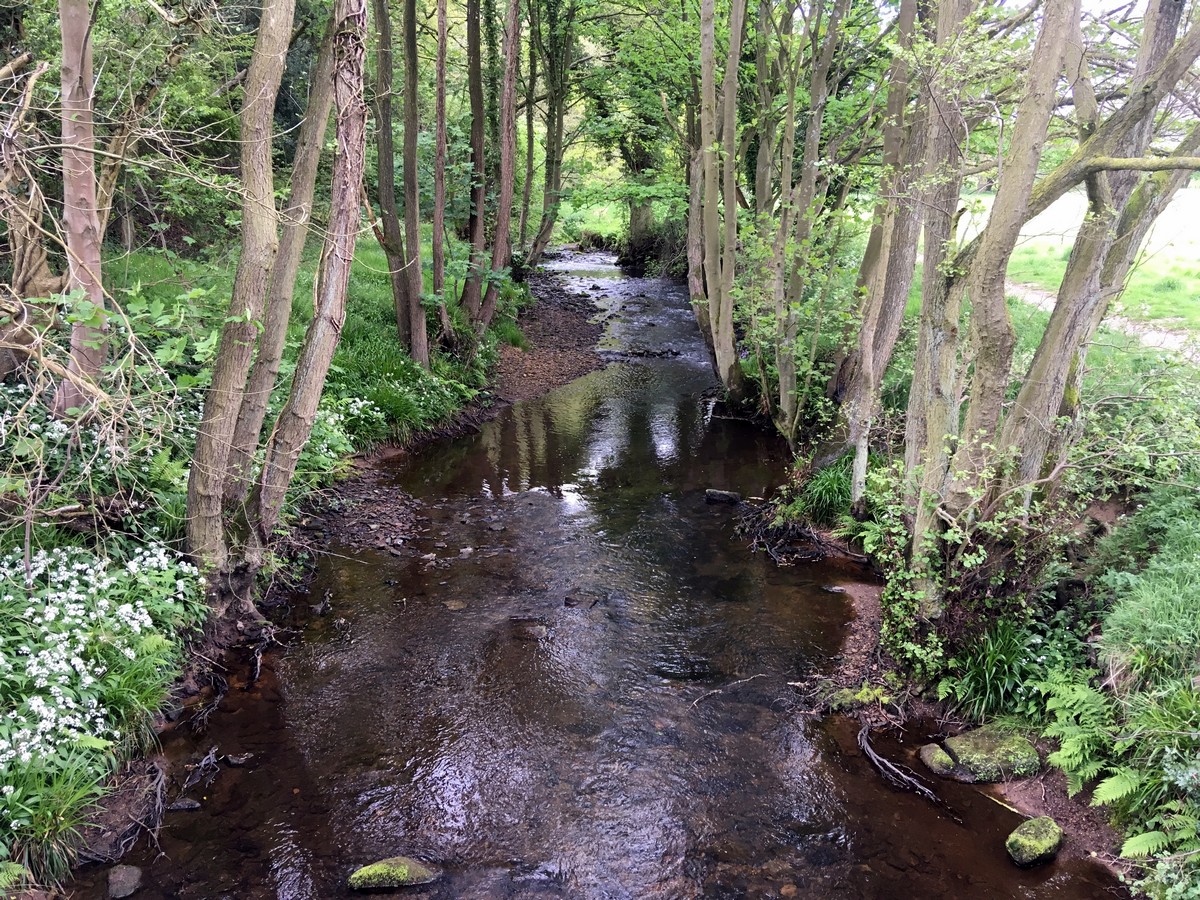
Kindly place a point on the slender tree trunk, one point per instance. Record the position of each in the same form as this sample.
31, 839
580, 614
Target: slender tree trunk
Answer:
933, 406
1083, 296
206, 527
295, 421
695, 243
718, 259
296, 217
502, 248
552, 28
438, 248
491, 91
412, 192
472, 298
992, 335
805, 208
527, 188
390, 235
80, 212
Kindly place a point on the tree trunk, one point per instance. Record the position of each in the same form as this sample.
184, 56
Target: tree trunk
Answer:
81, 221
295, 421
296, 217
412, 193
992, 335
719, 260
502, 247
1083, 296
389, 235
438, 247
803, 201
527, 187
552, 28
472, 298
695, 243
933, 403
206, 528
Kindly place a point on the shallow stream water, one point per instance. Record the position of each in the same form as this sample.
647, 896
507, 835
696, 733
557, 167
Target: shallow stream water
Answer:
575, 682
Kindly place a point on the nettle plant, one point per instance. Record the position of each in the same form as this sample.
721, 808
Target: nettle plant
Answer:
89, 650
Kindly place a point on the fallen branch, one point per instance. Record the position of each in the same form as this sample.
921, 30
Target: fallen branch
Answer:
731, 684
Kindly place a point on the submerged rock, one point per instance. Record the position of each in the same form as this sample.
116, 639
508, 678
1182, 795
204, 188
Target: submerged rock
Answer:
1034, 842
397, 871
712, 495
124, 881
988, 754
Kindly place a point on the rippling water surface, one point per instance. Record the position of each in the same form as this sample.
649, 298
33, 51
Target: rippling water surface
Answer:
574, 684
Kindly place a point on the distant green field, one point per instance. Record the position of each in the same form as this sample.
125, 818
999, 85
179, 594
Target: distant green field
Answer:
1165, 286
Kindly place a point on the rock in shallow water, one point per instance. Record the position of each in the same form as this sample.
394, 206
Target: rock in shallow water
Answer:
712, 495
988, 754
123, 881
982, 756
1034, 842
937, 760
397, 871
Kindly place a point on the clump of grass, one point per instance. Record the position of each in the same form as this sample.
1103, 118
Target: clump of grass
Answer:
824, 497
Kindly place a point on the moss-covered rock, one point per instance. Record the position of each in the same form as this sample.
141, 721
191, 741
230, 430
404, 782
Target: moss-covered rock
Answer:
988, 754
1034, 842
397, 871
937, 760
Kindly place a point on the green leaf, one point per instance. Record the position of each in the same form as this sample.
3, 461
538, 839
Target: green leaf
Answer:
1116, 787
1145, 844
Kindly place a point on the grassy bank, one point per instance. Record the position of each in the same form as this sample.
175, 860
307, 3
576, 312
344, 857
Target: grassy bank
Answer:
98, 602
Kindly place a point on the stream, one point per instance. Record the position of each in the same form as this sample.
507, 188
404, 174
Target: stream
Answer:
574, 682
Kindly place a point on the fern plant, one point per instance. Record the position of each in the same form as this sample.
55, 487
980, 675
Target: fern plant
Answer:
1082, 722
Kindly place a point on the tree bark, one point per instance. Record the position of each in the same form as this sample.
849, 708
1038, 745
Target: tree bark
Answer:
296, 217
718, 259
527, 187
389, 235
472, 297
992, 335
502, 246
419, 338
1084, 294
81, 220
206, 527
438, 246
552, 27
295, 421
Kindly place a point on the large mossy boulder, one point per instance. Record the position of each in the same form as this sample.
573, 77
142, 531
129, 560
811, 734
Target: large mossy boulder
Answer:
1034, 842
987, 755
397, 871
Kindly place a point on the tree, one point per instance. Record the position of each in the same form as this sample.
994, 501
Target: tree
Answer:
502, 248
720, 235
206, 522
81, 217
412, 193
296, 419
389, 233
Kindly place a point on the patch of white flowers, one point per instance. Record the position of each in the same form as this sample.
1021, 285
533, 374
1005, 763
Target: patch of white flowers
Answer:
67, 621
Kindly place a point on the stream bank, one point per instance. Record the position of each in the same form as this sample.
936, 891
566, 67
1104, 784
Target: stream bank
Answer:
566, 677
